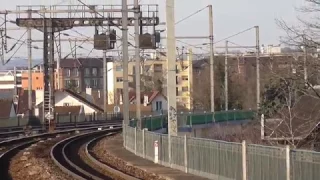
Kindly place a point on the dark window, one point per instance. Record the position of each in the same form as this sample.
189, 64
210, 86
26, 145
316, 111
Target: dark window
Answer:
185, 89
119, 79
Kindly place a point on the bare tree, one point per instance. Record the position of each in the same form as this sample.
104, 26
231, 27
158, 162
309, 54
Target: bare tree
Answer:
306, 33
290, 101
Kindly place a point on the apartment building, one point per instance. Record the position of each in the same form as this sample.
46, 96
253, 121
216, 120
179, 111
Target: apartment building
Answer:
37, 80
80, 73
153, 75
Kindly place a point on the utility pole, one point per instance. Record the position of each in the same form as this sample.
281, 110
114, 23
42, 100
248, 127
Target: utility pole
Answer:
125, 54
29, 66
137, 57
226, 78
105, 88
305, 56
59, 60
258, 65
211, 57
171, 66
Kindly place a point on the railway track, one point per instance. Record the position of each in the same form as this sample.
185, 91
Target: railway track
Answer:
20, 133
9, 148
92, 157
65, 157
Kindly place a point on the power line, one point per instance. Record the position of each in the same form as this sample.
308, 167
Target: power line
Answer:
224, 39
183, 19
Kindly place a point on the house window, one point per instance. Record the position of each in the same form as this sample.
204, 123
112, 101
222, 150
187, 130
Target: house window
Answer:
87, 72
76, 83
87, 82
185, 78
75, 72
94, 71
66, 104
185, 89
177, 80
158, 105
119, 79
177, 91
67, 72
177, 69
184, 67
119, 68
67, 83
94, 83
157, 67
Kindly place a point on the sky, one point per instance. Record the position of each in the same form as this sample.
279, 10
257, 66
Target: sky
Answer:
230, 17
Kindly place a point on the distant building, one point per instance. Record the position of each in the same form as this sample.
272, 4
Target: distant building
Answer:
271, 49
80, 73
153, 76
37, 80
68, 98
9, 79
155, 99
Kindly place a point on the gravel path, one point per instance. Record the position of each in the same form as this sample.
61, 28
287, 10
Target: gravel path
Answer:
35, 163
105, 156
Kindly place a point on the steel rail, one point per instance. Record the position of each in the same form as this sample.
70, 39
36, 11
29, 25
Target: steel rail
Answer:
75, 166
15, 145
88, 152
61, 127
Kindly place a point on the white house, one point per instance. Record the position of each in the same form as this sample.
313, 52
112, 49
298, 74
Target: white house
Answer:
70, 99
155, 99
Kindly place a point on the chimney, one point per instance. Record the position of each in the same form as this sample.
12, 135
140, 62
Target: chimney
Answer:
88, 91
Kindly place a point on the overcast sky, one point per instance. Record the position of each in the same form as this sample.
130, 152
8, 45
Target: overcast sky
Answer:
230, 17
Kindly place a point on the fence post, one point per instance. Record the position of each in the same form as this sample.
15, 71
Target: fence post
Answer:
57, 118
169, 148
124, 134
288, 162
244, 160
135, 140
143, 143
205, 117
75, 120
70, 117
190, 119
151, 129
186, 153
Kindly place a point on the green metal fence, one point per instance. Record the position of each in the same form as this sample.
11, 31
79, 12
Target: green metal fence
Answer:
153, 123
223, 160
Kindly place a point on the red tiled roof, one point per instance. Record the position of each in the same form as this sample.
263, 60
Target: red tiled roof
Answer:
67, 109
82, 99
151, 95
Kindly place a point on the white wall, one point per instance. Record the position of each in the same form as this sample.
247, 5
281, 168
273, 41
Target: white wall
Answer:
39, 96
164, 103
6, 86
63, 97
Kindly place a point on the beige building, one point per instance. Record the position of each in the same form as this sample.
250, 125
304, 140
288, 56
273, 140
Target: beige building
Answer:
153, 76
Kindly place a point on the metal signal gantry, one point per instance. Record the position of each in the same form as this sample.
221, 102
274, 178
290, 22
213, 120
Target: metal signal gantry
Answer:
50, 25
